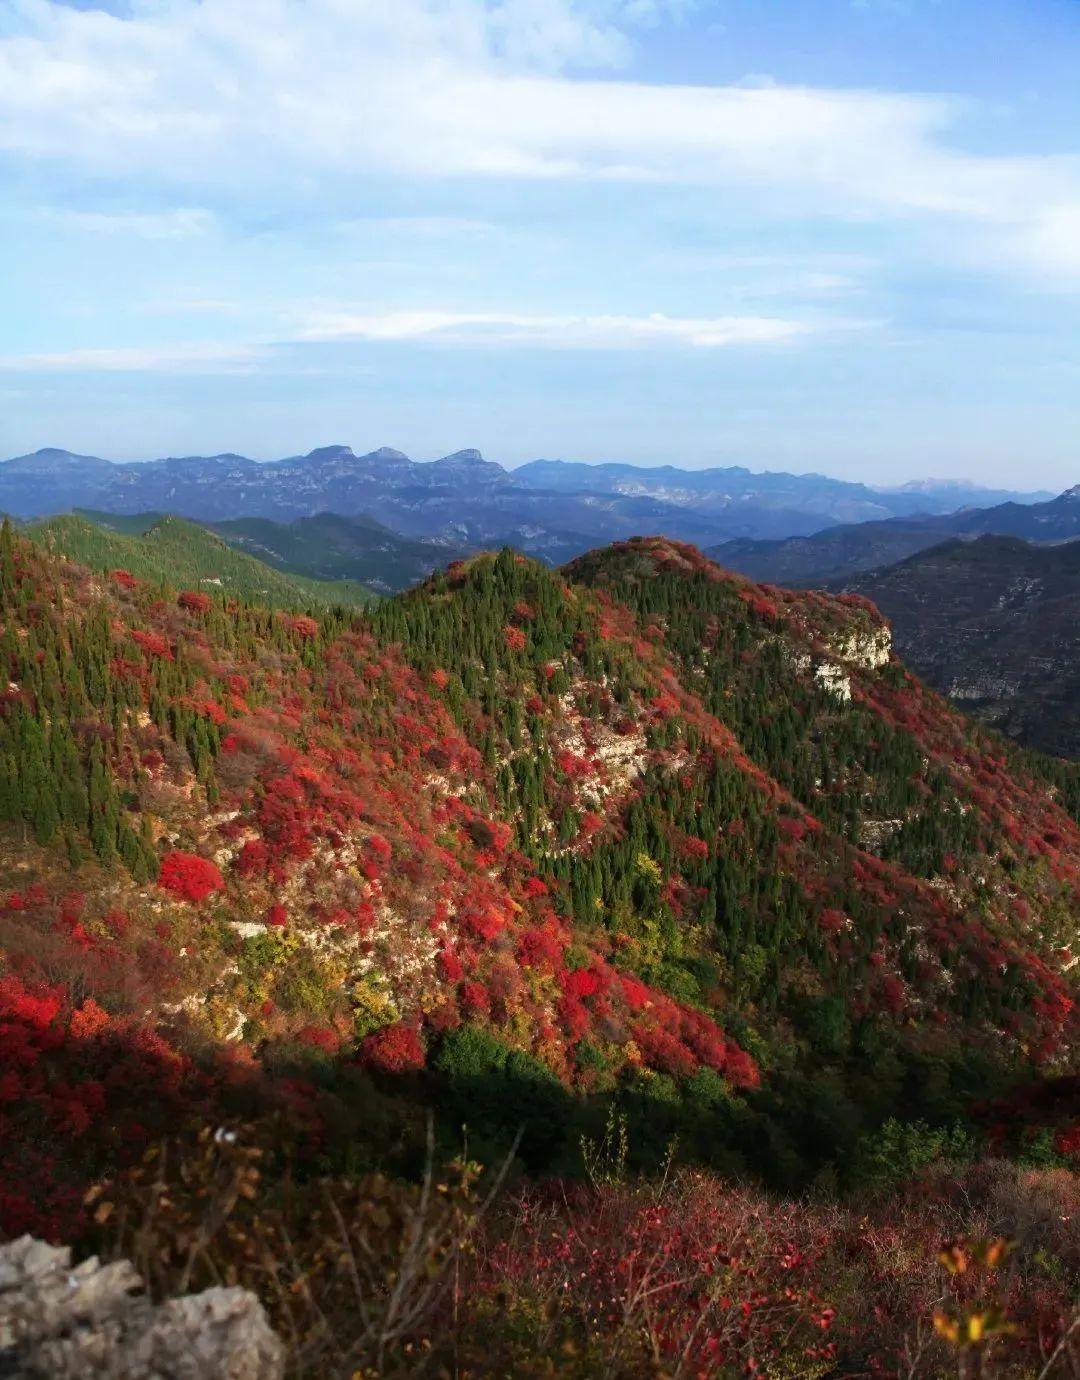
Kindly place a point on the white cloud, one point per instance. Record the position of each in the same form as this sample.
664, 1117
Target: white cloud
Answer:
555, 331
232, 97
435, 327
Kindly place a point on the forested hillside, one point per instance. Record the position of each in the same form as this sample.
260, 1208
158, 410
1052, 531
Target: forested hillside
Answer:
629, 862
176, 552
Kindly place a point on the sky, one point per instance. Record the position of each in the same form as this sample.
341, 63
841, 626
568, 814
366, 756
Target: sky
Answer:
830, 235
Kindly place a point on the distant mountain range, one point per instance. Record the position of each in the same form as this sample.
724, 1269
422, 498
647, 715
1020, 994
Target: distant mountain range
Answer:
843, 551
722, 492
551, 509
994, 623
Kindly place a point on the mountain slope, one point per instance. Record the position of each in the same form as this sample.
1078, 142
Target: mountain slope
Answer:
529, 842
844, 551
331, 547
994, 624
177, 552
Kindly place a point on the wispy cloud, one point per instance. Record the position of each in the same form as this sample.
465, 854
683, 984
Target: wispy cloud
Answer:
179, 224
434, 327
198, 358
191, 93
557, 331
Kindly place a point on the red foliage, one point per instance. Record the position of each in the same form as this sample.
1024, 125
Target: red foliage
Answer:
540, 948
189, 877
474, 998
450, 965
664, 1051
514, 637
322, 1037
194, 601
573, 1017
153, 644
394, 1049
582, 982
832, 921
304, 627
635, 993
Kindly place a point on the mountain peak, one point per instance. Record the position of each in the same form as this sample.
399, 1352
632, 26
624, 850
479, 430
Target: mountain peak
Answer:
471, 456
53, 454
385, 454
331, 453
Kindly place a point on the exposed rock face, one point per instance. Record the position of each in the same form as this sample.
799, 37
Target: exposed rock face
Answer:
834, 679
60, 1323
870, 650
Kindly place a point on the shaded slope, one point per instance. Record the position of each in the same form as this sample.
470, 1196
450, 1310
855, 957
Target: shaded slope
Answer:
841, 552
329, 546
995, 625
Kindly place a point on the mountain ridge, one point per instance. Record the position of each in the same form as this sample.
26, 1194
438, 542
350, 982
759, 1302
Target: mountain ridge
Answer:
460, 498
847, 549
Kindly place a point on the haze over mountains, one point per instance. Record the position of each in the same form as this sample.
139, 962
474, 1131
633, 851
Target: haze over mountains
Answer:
837, 552
551, 509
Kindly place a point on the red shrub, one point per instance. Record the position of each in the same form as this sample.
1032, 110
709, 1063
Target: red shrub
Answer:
153, 644
635, 993
540, 948
322, 1037
188, 876
663, 1051
394, 1049
832, 921
583, 982
573, 1016
194, 601
474, 998
450, 965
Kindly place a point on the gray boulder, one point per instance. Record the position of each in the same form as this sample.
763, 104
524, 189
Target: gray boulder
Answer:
64, 1323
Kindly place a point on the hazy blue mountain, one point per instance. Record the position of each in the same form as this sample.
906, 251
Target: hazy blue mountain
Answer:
548, 509
720, 491
842, 551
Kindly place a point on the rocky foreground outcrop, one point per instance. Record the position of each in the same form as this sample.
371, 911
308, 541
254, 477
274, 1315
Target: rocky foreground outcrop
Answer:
59, 1322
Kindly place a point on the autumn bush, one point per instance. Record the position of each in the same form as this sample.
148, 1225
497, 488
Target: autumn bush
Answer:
189, 877
686, 1275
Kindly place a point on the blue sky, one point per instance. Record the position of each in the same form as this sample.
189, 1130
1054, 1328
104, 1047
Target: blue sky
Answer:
841, 235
